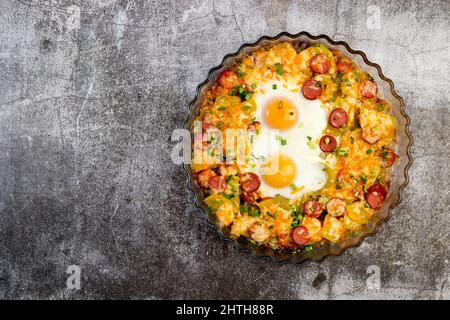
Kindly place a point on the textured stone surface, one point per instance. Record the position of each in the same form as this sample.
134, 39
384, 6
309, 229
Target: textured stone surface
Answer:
87, 110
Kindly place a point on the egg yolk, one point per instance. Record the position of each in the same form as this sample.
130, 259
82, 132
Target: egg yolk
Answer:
280, 113
278, 171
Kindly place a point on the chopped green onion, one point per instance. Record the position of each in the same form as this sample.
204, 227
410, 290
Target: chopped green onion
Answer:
240, 74
278, 69
342, 153
323, 200
282, 140
310, 143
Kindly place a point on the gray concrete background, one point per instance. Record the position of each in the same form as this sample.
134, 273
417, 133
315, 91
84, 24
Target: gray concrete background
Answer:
90, 94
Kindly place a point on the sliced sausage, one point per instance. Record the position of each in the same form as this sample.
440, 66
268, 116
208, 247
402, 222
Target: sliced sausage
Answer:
375, 196
250, 197
285, 239
255, 126
388, 157
327, 143
250, 181
343, 66
206, 125
313, 208
300, 235
204, 177
338, 118
320, 63
311, 89
336, 207
369, 89
200, 142
229, 79
217, 184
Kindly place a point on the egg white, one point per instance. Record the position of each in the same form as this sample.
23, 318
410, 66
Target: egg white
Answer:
312, 120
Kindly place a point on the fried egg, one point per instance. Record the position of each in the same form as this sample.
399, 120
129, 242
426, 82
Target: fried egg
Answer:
285, 152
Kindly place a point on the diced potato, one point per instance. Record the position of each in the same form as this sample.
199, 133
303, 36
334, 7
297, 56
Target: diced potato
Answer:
304, 57
223, 208
259, 232
333, 229
225, 214
359, 213
351, 225
283, 53
277, 212
197, 167
361, 160
350, 85
228, 170
375, 125
241, 225
314, 227
202, 160
236, 201
329, 87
